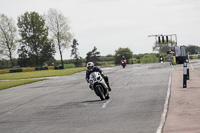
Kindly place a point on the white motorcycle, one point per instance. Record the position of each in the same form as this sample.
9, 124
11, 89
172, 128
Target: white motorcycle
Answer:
99, 85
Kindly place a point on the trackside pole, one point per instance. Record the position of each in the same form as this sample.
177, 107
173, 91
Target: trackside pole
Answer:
188, 72
161, 59
185, 75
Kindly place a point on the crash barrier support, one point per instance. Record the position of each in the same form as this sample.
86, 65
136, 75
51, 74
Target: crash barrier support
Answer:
161, 59
30, 69
184, 75
188, 71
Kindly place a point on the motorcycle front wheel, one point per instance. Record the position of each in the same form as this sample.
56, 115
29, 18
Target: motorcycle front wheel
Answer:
99, 92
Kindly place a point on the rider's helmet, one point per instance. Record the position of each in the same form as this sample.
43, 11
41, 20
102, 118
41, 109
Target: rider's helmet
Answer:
90, 66
123, 57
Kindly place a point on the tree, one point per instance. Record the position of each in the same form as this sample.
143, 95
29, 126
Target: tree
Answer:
123, 52
59, 29
8, 34
46, 52
163, 47
36, 48
192, 49
74, 52
93, 56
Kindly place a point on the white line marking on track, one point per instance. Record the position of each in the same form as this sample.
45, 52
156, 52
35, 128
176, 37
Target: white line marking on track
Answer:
164, 114
105, 104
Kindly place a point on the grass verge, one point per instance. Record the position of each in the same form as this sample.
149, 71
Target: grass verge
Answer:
13, 77
9, 84
40, 74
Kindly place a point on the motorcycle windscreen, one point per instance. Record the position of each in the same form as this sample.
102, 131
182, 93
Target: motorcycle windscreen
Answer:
93, 75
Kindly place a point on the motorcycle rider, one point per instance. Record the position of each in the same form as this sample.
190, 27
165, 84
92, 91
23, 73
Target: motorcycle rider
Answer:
91, 68
123, 62
123, 58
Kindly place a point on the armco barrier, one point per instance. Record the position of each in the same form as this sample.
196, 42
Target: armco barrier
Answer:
45, 68
4, 71
28, 69
196, 56
51, 67
15, 70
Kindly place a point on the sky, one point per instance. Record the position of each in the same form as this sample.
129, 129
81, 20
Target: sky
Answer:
111, 24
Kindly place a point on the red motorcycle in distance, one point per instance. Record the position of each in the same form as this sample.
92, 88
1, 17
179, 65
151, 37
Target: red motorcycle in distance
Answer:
123, 63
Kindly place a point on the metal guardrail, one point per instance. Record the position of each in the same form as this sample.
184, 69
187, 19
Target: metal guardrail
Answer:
29, 69
195, 56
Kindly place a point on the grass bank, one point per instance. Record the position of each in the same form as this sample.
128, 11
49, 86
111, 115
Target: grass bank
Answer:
9, 84
26, 76
40, 74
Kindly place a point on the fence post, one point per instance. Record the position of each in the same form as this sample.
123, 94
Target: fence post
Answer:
161, 59
188, 72
185, 75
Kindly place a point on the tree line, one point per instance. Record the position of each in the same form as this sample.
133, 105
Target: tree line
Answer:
40, 36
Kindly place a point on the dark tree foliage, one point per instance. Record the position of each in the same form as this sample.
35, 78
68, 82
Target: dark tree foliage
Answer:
8, 34
93, 56
5, 64
36, 49
23, 59
75, 54
192, 49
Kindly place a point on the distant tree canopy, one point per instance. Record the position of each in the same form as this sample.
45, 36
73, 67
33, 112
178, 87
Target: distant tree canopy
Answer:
149, 58
93, 56
164, 47
75, 54
161, 48
59, 28
36, 49
122, 52
192, 49
8, 34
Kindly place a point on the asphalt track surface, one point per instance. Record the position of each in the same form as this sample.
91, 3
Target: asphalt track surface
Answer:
66, 104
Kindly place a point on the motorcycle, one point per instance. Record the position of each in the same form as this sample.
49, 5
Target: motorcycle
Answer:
99, 85
123, 63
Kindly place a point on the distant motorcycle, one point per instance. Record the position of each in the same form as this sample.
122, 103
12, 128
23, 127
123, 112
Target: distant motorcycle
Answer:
123, 63
99, 85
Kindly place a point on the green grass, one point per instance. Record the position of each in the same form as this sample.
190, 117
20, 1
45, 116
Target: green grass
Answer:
40, 74
13, 77
9, 84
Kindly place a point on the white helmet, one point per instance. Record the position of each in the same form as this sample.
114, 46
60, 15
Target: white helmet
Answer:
91, 65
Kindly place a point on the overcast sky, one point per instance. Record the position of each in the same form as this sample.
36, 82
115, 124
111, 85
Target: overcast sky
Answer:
110, 24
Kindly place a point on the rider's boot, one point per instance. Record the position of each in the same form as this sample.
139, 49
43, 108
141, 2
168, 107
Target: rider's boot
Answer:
107, 82
109, 89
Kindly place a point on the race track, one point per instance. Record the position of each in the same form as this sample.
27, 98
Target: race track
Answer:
67, 105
